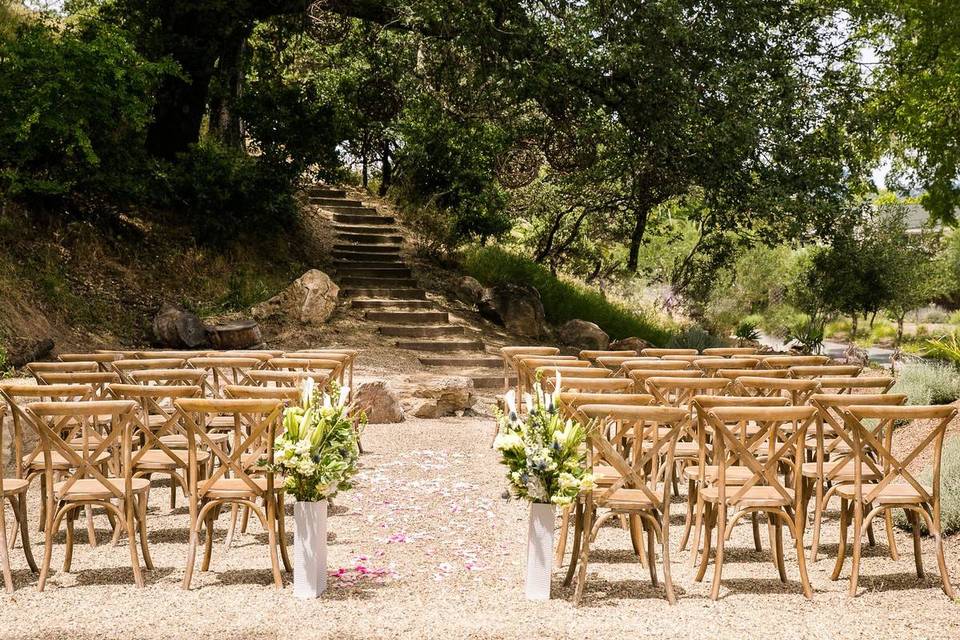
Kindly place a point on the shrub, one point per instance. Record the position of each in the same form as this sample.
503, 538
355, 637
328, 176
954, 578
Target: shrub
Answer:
954, 318
949, 490
778, 320
76, 103
562, 300
747, 331
226, 193
882, 331
695, 337
839, 328
945, 348
928, 383
807, 333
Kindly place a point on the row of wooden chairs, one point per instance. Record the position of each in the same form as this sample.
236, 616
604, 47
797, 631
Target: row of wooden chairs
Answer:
749, 440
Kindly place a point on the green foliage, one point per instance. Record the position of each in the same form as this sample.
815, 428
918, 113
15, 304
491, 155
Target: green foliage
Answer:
949, 490
928, 383
807, 335
76, 104
945, 348
225, 194
779, 319
694, 337
562, 300
747, 331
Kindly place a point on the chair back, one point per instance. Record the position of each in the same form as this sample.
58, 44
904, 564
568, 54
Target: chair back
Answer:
590, 385
845, 384
656, 364
170, 354
272, 377
785, 362
39, 370
729, 352
134, 364
288, 395
98, 380
593, 354
798, 391
157, 416
733, 374
679, 392
221, 370
660, 353
711, 365
168, 377
821, 370
830, 420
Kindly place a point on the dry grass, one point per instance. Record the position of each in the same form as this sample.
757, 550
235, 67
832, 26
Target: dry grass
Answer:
428, 548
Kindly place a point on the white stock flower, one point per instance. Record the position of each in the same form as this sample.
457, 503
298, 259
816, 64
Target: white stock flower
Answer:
306, 392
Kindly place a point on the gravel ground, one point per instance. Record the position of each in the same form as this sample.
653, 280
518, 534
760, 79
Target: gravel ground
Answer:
426, 547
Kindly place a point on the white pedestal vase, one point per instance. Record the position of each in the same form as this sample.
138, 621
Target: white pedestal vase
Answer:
540, 551
309, 549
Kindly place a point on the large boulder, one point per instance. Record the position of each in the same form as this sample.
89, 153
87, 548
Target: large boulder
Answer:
430, 396
310, 299
177, 328
630, 344
585, 335
379, 402
470, 290
518, 308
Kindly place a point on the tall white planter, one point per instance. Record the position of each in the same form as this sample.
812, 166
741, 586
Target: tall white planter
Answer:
309, 549
540, 551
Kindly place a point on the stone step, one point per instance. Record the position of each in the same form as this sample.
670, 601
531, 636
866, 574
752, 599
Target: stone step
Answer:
373, 263
418, 317
364, 210
399, 293
379, 271
440, 345
490, 382
415, 331
358, 257
365, 228
335, 202
363, 249
368, 238
326, 192
478, 361
406, 305
358, 218
366, 281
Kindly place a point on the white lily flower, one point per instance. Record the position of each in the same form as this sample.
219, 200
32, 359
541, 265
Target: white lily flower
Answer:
306, 392
327, 403
344, 394
510, 400
528, 401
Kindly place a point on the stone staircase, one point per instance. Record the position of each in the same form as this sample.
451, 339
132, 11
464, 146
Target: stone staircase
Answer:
372, 273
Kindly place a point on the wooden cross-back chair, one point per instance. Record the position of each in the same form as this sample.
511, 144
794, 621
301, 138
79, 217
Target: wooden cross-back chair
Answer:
510, 357
97, 380
893, 485
329, 367
167, 377
734, 374
29, 465
526, 365
159, 438
785, 362
39, 370
821, 370
705, 471
660, 353
170, 354
236, 481
126, 365
85, 483
347, 356
832, 463
640, 482
103, 360
615, 363
593, 354
710, 366
778, 443
589, 385
730, 352
858, 384
550, 372
647, 362
286, 379
689, 358
287, 395
640, 376
798, 391
221, 371
14, 491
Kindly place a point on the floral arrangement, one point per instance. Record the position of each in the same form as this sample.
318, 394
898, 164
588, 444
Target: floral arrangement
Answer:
318, 451
543, 453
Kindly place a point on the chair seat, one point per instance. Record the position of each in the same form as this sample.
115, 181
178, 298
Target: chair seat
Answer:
180, 442
753, 497
13, 486
93, 489
221, 422
604, 475
160, 459
624, 500
893, 493
58, 462
237, 488
734, 475
687, 450
846, 470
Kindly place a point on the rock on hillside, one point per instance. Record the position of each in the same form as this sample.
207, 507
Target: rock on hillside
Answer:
310, 299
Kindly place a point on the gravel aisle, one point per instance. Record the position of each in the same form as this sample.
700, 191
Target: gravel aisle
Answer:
426, 547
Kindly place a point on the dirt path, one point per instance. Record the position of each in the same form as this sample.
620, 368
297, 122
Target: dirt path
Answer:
426, 547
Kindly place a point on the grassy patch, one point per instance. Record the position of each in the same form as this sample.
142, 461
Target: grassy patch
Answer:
949, 489
928, 383
563, 300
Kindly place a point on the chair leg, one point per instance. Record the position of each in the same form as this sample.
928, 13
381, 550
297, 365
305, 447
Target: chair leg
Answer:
91, 528
857, 545
718, 560
778, 547
562, 542
173, 493
636, 539
688, 517
142, 518
801, 557
68, 548
43, 505
244, 519
709, 518
575, 550
914, 519
755, 523
4, 552
192, 547
697, 530
47, 547
272, 538
818, 507
584, 554
842, 545
234, 512
25, 532
282, 534
891, 538
651, 554
665, 553
933, 525
12, 538
208, 542
129, 520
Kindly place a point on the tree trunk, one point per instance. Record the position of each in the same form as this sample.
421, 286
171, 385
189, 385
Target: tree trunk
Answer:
386, 173
854, 319
224, 121
900, 318
636, 238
